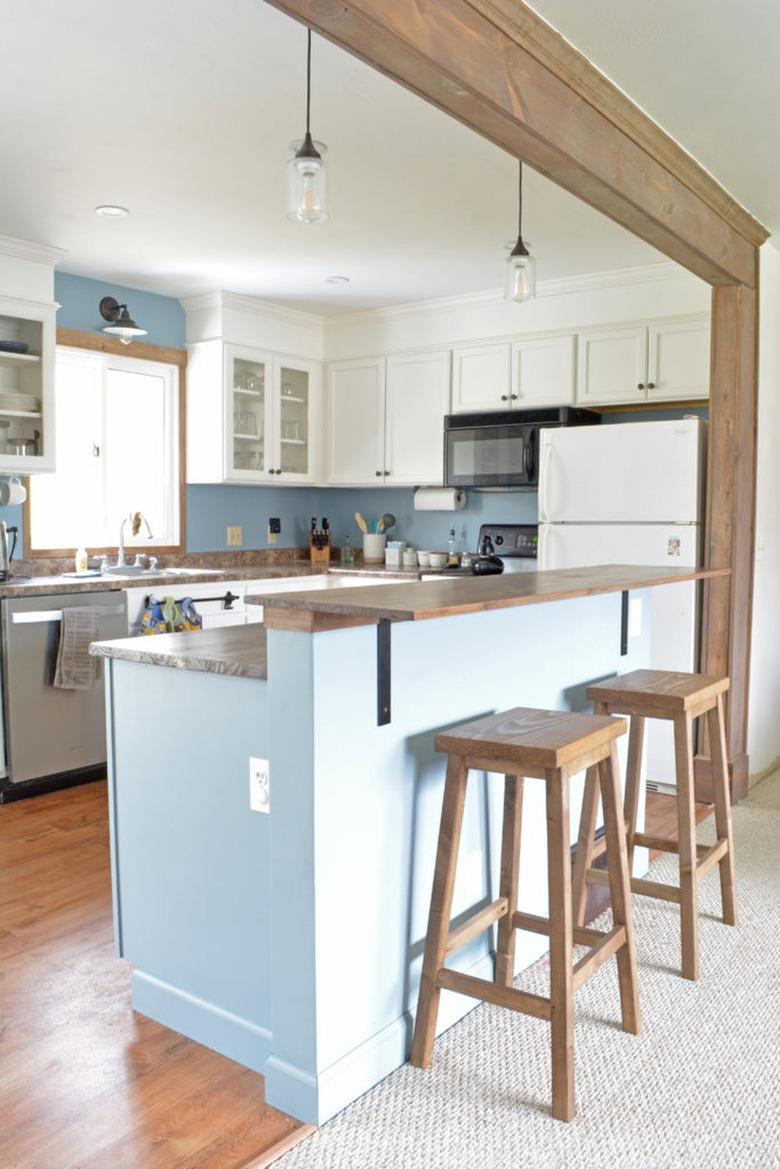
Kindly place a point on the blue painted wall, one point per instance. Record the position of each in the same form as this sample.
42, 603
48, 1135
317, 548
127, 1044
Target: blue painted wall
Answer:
78, 297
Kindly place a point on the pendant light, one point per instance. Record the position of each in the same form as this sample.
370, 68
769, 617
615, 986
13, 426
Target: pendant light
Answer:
520, 264
121, 324
307, 192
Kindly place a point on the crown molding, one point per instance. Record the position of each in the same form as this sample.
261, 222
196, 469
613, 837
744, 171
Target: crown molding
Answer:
253, 306
614, 278
22, 249
551, 49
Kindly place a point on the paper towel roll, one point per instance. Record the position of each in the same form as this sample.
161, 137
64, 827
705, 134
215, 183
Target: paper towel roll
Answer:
439, 499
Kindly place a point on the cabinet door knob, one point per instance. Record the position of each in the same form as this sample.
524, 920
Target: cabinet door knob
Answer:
641, 386
651, 385
378, 474
513, 397
504, 398
278, 470
386, 472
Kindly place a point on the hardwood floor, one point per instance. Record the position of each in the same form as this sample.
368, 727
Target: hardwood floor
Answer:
84, 1082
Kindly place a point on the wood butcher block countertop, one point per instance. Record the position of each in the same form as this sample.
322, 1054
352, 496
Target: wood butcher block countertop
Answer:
238, 650
322, 609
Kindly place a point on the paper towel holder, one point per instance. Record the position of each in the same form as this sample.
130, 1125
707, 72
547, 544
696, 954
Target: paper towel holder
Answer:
439, 499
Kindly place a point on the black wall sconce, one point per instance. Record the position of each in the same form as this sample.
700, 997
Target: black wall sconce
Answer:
121, 324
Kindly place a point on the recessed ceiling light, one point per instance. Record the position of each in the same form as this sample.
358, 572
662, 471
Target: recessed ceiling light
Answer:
337, 279
111, 210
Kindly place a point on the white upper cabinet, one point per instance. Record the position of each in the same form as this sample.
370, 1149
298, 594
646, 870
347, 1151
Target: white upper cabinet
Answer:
355, 434
543, 371
678, 360
386, 420
481, 377
26, 387
252, 416
416, 401
611, 365
664, 361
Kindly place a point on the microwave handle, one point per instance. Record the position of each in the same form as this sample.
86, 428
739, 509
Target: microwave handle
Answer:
544, 475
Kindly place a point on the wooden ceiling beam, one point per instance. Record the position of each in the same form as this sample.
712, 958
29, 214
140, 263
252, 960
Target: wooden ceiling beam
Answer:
483, 74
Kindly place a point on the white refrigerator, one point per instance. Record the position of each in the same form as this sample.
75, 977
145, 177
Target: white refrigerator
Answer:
631, 493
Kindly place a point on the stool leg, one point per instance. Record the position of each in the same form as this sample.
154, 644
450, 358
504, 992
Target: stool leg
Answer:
636, 737
584, 853
440, 911
686, 822
620, 890
510, 876
720, 775
560, 914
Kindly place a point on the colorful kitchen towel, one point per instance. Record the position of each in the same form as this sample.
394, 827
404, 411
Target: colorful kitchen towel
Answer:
170, 616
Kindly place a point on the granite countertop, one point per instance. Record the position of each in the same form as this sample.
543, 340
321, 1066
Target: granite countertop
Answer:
237, 650
446, 598
43, 585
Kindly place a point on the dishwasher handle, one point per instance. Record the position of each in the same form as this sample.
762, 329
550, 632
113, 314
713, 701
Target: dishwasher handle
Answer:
44, 616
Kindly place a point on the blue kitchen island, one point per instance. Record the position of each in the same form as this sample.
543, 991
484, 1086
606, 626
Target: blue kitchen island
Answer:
290, 938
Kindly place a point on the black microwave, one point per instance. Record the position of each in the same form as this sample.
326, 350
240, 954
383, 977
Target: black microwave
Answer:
501, 449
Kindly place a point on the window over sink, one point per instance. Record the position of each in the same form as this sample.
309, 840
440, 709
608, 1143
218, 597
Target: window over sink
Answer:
117, 441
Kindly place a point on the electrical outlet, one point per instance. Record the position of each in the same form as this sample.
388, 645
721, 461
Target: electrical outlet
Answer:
259, 785
235, 536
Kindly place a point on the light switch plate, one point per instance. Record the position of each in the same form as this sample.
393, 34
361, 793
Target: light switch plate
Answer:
235, 536
259, 785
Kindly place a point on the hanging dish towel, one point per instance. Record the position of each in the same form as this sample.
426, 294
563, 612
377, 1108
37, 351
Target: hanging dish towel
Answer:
170, 616
75, 669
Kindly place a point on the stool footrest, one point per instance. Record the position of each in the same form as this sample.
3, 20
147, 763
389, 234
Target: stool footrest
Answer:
710, 856
601, 952
582, 935
638, 885
493, 992
476, 924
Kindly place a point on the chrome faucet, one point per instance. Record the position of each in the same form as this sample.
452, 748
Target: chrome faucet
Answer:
136, 519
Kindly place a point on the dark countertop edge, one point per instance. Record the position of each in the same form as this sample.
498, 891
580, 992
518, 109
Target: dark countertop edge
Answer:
322, 603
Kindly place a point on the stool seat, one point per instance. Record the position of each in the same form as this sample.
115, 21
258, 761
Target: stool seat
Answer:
529, 737
662, 689
549, 745
679, 698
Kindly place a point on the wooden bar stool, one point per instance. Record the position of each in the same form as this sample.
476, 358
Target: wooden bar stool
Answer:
552, 746
680, 698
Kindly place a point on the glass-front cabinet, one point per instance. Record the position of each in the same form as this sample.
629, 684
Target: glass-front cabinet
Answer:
269, 410
248, 378
26, 388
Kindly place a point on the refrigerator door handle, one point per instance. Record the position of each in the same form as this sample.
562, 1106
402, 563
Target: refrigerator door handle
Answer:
541, 551
544, 475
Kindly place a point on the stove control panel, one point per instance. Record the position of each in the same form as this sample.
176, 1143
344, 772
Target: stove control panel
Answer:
516, 540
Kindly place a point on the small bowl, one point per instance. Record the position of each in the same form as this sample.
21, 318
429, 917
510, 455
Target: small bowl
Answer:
438, 559
424, 559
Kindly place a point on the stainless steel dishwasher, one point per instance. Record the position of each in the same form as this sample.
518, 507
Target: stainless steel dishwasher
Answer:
51, 733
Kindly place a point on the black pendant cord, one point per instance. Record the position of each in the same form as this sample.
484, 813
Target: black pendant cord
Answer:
519, 249
308, 82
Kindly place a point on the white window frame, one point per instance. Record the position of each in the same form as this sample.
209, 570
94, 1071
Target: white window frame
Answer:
171, 535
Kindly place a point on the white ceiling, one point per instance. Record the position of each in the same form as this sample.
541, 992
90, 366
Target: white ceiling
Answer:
183, 110
705, 70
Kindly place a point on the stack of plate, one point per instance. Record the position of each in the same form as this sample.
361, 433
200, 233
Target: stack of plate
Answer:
24, 402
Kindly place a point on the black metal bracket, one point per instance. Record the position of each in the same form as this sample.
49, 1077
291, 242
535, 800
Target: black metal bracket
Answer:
383, 672
623, 623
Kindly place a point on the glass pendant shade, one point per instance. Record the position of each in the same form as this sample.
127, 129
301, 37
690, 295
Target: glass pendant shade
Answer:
520, 281
307, 182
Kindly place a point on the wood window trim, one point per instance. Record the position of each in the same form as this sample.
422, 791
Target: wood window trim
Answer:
75, 339
499, 69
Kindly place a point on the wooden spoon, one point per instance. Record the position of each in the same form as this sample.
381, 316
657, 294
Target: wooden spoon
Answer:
361, 523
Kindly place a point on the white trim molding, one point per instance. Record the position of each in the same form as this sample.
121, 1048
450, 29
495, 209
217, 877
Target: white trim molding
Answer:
20, 249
